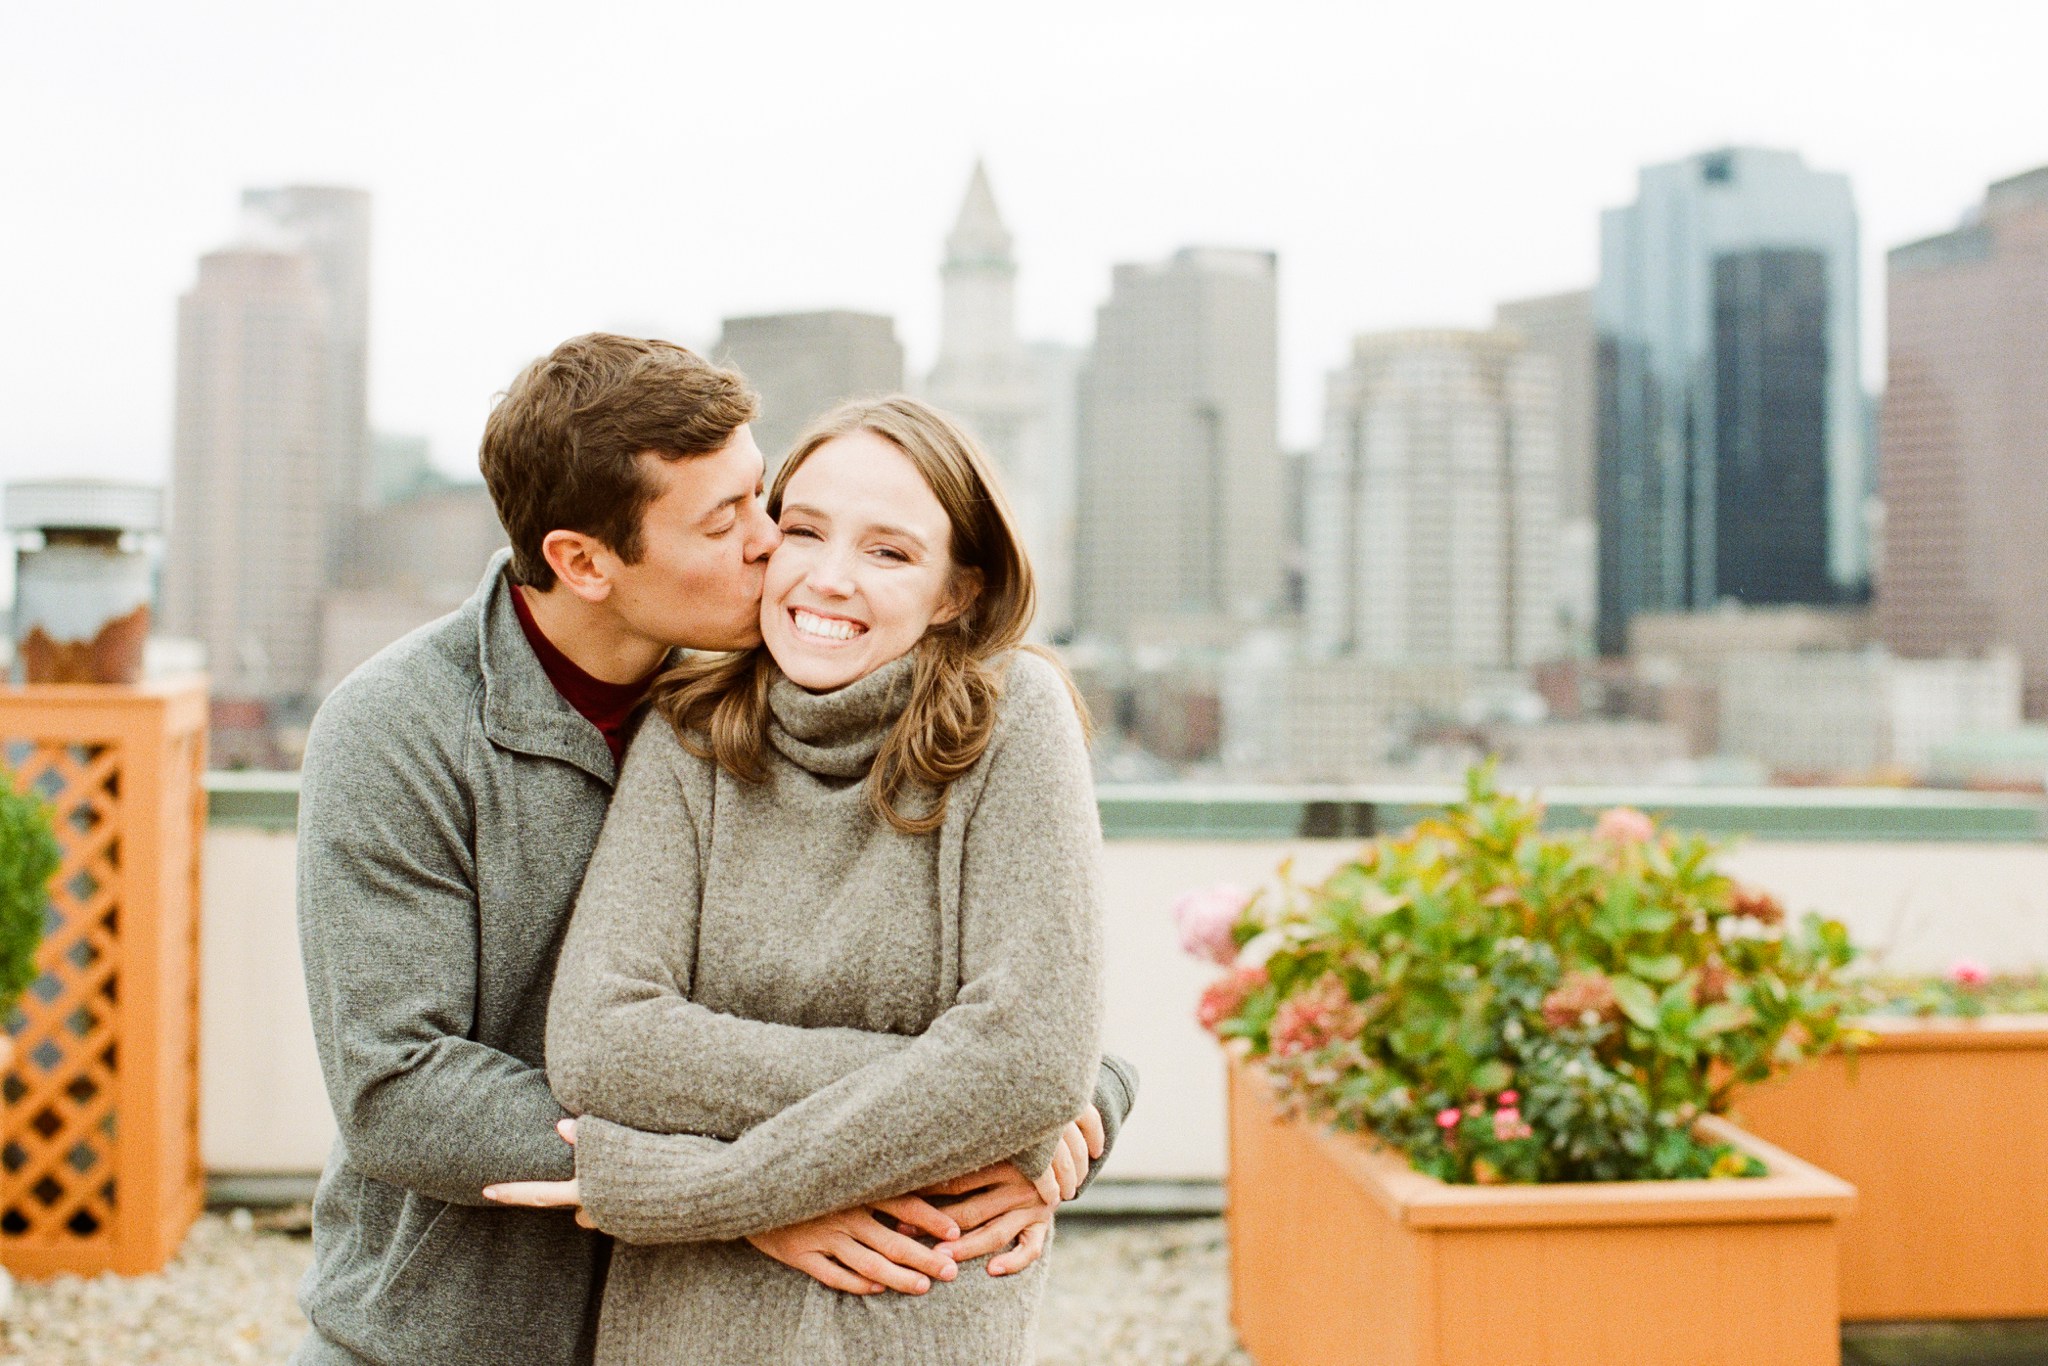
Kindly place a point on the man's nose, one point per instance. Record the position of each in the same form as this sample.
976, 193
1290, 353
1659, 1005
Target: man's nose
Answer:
763, 537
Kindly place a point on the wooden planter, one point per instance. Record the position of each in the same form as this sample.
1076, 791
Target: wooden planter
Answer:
1345, 1256
99, 1131
1943, 1127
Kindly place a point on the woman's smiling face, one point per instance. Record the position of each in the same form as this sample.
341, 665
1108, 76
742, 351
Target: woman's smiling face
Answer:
865, 567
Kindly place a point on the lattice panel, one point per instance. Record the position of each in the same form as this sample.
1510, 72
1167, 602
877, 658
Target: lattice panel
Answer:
57, 1166
100, 1167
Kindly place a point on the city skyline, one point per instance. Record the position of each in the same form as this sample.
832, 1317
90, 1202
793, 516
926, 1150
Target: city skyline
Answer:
484, 260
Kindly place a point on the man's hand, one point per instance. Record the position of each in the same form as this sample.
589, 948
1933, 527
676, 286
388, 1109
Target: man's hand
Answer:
545, 1194
852, 1250
1003, 1214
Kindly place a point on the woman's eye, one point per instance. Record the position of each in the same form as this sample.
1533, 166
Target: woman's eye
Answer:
800, 531
886, 553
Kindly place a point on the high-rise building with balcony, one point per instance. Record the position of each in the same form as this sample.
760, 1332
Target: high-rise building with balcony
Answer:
1431, 532
255, 444
1182, 484
1731, 444
332, 225
1965, 438
804, 364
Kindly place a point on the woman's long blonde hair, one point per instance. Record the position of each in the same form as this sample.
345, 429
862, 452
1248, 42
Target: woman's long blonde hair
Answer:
718, 704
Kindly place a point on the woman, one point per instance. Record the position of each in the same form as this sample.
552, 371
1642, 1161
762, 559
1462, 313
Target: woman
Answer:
844, 915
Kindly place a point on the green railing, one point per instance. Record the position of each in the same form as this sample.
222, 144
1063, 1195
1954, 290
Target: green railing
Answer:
270, 801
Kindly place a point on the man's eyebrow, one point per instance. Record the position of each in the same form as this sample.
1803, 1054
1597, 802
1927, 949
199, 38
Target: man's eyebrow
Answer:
722, 505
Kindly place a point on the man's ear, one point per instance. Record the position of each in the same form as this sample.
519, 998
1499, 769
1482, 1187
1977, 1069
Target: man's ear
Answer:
961, 595
582, 563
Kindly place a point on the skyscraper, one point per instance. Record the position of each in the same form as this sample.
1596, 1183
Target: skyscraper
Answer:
980, 375
1432, 504
803, 364
1017, 399
1731, 456
1559, 327
332, 225
1182, 486
254, 446
1965, 444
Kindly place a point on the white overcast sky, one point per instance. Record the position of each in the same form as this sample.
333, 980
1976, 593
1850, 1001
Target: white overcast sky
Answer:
544, 169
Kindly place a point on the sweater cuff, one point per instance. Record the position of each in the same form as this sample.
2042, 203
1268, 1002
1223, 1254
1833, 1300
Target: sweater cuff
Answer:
638, 1186
1116, 1091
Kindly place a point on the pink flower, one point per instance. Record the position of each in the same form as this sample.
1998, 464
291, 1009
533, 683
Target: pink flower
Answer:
1207, 921
1508, 1125
1226, 996
1448, 1119
1624, 825
1508, 1100
1321, 1015
1968, 972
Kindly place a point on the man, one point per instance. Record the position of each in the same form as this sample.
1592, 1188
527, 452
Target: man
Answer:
454, 789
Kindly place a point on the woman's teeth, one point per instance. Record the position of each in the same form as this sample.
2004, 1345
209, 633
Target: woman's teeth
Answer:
825, 628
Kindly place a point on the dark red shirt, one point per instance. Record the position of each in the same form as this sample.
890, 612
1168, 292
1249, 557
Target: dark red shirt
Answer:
608, 706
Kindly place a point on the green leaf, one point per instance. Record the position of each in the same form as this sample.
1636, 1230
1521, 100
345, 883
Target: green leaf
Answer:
1637, 1000
1663, 968
1492, 1075
1720, 1018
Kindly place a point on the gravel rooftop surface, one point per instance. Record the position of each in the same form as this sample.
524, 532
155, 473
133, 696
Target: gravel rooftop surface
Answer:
1124, 1293
1149, 1292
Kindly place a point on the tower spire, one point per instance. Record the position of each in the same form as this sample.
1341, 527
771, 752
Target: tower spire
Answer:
979, 237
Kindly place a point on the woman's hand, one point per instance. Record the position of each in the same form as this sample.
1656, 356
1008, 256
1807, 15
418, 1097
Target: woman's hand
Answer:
545, 1194
1002, 1215
852, 1250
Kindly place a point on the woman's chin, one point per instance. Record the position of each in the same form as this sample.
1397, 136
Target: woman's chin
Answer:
808, 671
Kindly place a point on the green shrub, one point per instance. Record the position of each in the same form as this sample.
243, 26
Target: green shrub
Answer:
1505, 1005
28, 860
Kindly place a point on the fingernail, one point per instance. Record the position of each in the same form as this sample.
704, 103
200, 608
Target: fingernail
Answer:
945, 1249
948, 1273
923, 1285
952, 1232
490, 1192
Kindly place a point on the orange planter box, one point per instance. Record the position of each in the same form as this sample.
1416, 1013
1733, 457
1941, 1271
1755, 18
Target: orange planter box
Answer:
1943, 1127
1343, 1255
99, 1131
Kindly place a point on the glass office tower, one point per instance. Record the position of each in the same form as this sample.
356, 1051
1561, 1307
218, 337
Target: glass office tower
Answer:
1732, 461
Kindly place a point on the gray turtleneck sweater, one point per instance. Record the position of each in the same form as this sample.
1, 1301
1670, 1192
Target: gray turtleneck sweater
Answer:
771, 1005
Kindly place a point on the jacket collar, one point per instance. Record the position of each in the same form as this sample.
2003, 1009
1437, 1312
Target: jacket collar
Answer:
522, 710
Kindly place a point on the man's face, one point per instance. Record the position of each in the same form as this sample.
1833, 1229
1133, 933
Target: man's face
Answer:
703, 543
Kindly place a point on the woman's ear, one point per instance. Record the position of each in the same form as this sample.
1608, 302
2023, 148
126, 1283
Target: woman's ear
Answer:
961, 595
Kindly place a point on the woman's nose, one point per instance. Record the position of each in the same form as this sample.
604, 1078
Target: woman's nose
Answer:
831, 574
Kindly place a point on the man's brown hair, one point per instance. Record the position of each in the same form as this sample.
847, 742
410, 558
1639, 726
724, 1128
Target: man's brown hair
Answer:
561, 449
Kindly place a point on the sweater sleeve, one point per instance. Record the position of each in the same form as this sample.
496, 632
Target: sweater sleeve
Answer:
387, 910
624, 1040
1008, 1064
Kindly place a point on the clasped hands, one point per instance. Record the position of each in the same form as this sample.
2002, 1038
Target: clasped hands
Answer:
867, 1249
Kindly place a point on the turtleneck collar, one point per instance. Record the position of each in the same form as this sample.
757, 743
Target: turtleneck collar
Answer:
837, 734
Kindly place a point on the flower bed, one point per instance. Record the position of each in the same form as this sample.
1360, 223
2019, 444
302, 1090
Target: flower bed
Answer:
1936, 1118
1343, 1255
1501, 1005
1532, 1037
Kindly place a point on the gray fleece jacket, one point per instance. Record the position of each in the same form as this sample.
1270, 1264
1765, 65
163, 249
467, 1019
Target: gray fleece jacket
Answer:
450, 803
